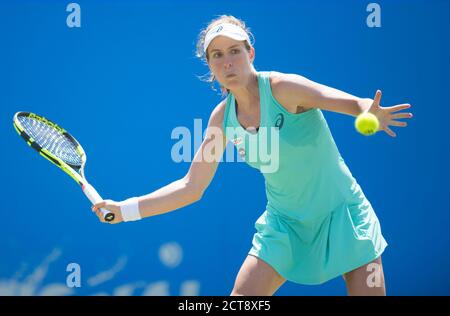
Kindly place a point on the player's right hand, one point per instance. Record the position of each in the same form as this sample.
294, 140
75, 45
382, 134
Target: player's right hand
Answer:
110, 205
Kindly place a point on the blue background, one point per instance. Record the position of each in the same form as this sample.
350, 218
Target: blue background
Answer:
124, 80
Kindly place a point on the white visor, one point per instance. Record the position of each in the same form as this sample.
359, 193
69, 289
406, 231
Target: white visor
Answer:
225, 29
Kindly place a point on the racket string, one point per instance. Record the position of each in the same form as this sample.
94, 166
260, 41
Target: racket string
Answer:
52, 140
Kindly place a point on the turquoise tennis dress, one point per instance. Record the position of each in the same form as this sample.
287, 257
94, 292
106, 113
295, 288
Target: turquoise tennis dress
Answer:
318, 224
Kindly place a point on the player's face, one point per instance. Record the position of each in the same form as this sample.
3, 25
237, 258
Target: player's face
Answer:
230, 61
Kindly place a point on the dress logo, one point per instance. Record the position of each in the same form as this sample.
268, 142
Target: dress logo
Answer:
237, 141
242, 152
279, 121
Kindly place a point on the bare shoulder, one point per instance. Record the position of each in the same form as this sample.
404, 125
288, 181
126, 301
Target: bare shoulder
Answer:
215, 124
217, 115
287, 90
219, 111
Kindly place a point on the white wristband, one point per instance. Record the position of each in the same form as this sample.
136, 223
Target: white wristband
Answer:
130, 210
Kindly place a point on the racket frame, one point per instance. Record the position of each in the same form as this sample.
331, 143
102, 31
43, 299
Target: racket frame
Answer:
79, 177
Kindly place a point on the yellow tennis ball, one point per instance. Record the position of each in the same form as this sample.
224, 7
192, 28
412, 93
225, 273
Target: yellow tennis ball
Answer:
367, 123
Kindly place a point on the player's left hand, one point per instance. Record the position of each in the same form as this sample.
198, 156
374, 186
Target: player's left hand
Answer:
386, 116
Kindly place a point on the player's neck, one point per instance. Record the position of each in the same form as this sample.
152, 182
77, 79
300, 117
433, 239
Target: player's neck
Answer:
248, 96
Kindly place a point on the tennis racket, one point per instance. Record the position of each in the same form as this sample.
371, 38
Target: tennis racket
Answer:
60, 148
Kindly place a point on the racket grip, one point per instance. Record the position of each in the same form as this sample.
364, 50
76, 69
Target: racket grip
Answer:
94, 197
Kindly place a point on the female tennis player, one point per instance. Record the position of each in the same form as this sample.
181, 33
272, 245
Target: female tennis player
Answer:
318, 224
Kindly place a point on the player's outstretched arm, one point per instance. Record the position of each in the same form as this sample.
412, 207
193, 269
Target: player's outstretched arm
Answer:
181, 192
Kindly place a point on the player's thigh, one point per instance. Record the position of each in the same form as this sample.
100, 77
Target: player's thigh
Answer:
367, 279
256, 278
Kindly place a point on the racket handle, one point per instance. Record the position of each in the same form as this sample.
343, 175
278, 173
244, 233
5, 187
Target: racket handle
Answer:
94, 197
